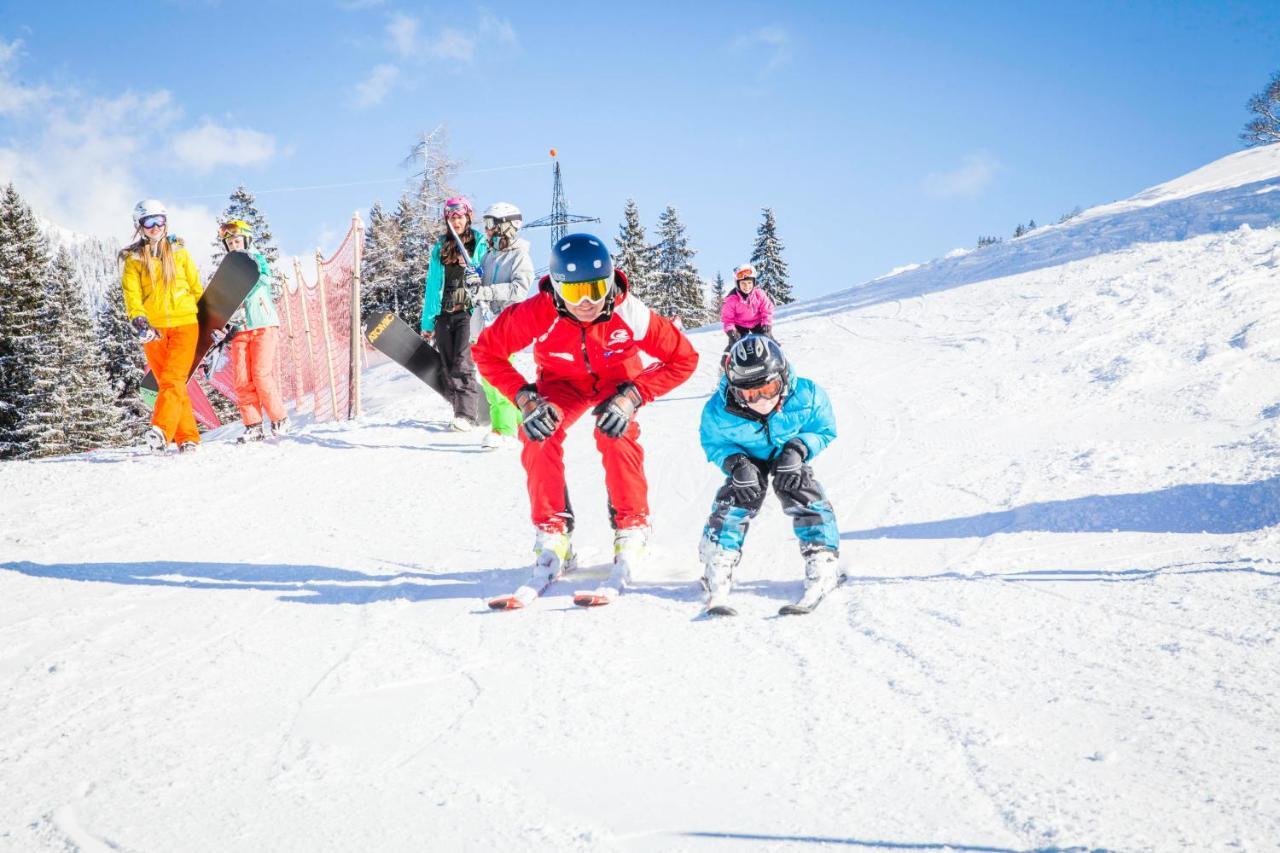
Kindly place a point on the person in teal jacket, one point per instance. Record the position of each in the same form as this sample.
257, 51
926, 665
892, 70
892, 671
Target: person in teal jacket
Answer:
254, 333
762, 422
452, 275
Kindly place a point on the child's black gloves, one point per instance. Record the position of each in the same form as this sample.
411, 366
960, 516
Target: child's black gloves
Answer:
746, 478
788, 466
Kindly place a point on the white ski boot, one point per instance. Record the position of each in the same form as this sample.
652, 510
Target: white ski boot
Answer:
630, 544
553, 556
821, 575
250, 434
717, 577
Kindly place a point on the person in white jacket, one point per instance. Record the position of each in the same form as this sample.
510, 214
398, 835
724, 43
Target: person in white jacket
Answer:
506, 275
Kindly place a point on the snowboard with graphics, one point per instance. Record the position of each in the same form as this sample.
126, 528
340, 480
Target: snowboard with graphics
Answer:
397, 340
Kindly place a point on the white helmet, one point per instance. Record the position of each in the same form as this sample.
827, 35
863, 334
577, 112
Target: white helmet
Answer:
148, 207
744, 272
503, 211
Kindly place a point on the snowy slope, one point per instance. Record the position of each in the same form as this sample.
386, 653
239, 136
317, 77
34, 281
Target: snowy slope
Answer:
1057, 482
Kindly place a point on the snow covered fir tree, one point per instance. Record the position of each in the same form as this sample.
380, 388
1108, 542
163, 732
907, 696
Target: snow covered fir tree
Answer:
124, 363
381, 264
54, 396
766, 257
677, 288
244, 206
635, 255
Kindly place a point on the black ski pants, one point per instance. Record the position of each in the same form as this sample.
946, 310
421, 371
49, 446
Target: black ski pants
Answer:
453, 341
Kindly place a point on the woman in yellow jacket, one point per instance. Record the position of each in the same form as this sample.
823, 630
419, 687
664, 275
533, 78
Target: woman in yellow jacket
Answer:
161, 289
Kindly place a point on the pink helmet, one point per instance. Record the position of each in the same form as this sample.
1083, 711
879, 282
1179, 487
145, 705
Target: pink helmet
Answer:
457, 203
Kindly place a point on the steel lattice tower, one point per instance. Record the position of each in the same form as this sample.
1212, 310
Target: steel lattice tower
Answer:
560, 216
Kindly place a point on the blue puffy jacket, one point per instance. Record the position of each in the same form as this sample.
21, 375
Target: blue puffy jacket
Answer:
805, 413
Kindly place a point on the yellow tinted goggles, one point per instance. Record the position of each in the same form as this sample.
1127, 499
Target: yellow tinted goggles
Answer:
574, 292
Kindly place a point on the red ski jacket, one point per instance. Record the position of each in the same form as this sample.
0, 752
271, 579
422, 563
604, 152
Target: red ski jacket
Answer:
594, 358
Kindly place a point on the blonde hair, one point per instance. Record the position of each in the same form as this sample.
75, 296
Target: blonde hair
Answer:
142, 249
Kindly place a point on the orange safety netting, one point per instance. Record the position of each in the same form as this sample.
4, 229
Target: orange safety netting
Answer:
314, 357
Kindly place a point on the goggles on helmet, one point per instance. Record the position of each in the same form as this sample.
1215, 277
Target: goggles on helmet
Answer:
156, 221
574, 292
767, 391
235, 228
491, 222
457, 204
745, 272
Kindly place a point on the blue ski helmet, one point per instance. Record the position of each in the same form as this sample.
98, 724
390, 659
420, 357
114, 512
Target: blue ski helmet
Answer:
580, 257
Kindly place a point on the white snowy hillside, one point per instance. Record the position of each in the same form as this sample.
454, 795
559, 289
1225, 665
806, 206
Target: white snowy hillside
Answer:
1057, 481
93, 259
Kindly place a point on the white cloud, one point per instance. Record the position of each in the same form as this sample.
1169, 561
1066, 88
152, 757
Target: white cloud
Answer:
970, 178
402, 32
773, 42
14, 96
209, 146
496, 29
84, 163
375, 88
452, 44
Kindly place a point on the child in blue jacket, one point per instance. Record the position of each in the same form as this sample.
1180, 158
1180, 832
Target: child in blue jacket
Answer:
764, 421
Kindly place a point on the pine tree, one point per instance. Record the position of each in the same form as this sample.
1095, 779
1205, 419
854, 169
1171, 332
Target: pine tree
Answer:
1019, 231
381, 263
124, 362
677, 289
719, 300
416, 238
243, 206
766, 257
32, 400
91, 418
635, 255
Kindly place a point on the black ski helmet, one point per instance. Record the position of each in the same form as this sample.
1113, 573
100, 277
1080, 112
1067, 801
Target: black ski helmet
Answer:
756, 360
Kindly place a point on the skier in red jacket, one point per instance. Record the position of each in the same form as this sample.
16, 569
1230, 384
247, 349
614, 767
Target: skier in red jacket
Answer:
587, 334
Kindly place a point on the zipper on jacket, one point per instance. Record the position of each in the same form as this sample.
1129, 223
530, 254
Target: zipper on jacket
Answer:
595, 384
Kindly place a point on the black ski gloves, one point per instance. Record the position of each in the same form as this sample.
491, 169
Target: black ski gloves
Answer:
788, 466
614, 415
746, 479
541, 417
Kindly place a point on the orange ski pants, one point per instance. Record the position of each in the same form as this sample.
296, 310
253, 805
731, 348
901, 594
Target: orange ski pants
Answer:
253, 370
169, 359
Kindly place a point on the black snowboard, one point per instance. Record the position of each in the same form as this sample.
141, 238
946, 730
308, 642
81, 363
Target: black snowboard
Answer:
397, 340
231, 283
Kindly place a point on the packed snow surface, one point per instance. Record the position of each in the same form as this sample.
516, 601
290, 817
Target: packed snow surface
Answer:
1057, 481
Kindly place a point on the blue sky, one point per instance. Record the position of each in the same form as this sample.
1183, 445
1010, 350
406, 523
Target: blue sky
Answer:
881, 134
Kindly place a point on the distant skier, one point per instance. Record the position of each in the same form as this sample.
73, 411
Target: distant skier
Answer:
747, 309
588, 334
762, 422
506, 275
254, 335
161, 288
447, 306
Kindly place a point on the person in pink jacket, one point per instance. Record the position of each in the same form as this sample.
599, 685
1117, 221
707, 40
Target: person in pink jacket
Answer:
747, 310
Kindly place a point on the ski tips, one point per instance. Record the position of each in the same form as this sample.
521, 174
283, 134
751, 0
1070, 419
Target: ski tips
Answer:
505, 602
591, 599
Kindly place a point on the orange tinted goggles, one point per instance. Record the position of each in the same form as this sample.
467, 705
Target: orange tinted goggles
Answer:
767, 391
574, 292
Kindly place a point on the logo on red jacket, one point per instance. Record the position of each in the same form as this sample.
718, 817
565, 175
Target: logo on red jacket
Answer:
618, 337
